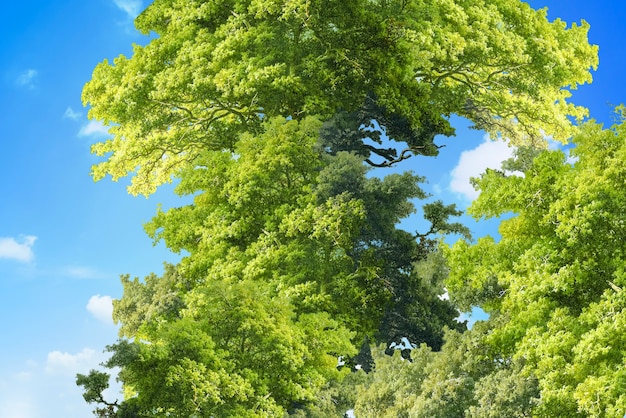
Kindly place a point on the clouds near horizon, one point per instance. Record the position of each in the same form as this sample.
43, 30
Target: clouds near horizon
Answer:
48, 388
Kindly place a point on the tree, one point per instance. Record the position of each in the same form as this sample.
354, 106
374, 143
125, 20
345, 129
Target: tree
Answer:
553, 283
466, 378
294, 258
269, 114
217, 69
94, 384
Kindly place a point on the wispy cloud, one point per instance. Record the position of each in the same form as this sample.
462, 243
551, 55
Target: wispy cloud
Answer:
20, 249
131, 7
82, 272
18, 407
27, 78
49, 389
571, 159
72, 114
68, 364
472, 163
94, 128
101, 307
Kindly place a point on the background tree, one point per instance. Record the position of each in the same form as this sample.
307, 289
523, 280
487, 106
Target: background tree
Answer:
553, 283
467, 378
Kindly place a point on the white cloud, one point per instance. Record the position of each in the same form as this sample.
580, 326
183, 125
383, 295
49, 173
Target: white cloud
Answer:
93, 128
27, 78
472, 163
72, 114
102, 308
552, 144
571, 159
59, 363
18, 250
130, 7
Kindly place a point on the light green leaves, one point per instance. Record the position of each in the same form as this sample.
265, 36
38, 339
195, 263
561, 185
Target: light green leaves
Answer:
216, 70
559, 271
265, 112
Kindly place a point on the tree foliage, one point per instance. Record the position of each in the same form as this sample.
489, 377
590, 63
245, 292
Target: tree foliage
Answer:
552, 285
554, 282
216, 69
293, 259
464, 379
269, 115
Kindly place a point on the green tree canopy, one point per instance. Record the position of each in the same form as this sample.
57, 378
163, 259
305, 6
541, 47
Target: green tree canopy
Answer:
465, 379
216, 69
554, 282
293, 258
269, 115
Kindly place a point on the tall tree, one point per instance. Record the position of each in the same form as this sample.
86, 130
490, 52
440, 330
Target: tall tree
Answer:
294, 258
554, 282
269, 113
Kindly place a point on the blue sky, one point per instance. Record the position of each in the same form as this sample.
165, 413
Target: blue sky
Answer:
64, 240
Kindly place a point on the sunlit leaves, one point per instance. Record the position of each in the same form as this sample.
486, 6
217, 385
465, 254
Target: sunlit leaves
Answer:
465, 379
559, 271
216, 69
264, 112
